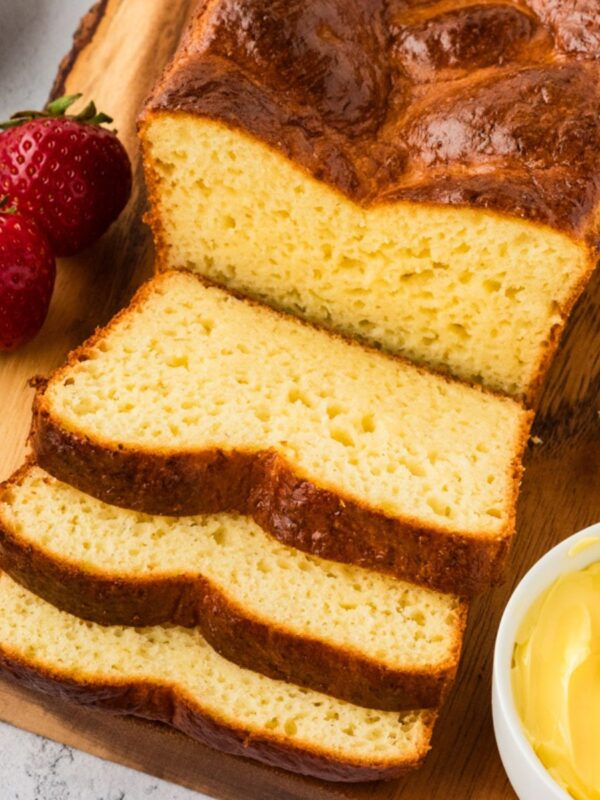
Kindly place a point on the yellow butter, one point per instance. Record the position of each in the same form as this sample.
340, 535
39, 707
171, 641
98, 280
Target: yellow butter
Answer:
556, 680
582, 545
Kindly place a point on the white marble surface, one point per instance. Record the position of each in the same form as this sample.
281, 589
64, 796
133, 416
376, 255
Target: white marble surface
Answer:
34, 34
33, 768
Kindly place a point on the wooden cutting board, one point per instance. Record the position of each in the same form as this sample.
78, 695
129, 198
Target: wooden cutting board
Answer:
119, 50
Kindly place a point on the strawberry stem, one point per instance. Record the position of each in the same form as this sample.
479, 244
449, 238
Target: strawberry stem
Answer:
57, 108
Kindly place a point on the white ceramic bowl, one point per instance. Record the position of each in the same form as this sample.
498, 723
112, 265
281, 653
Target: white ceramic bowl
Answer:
527, 774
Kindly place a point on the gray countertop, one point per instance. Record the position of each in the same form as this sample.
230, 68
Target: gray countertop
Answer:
33, 768
34, 34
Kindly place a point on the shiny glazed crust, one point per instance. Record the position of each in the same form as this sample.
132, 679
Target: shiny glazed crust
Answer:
490, 104
112, 599
164, 704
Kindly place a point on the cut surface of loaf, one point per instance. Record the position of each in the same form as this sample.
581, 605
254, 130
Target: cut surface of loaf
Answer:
170, 674
424, 175
343, 630
194, 401
481, 295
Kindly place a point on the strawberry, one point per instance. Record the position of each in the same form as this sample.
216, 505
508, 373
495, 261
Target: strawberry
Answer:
27, 272
67, 172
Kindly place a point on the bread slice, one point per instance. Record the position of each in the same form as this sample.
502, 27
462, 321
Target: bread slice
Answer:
387, 172
193, 401
170, 674
354, 634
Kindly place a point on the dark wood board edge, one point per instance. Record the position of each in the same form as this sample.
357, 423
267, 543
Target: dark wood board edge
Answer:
560, 495
141, 745
88, 25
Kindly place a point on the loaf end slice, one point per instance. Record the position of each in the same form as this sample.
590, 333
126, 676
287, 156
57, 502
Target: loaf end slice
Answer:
124, 670
194, 401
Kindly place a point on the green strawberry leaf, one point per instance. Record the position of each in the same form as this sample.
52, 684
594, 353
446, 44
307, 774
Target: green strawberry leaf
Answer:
57, 108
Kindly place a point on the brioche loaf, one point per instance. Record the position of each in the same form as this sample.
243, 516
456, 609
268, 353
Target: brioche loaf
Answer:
421, 175
354, 634
193, 401
172, 675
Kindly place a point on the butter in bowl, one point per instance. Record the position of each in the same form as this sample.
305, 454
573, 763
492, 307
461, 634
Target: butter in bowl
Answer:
546, 682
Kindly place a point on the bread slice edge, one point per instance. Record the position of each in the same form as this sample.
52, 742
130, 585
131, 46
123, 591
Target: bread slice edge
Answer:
241, 635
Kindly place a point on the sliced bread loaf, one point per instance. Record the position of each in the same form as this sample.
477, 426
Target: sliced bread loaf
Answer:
424, 175
172, 675
351, 633
194, 401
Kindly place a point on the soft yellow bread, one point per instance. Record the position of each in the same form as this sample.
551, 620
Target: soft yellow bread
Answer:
349, 632
422, 174
480, 294
193, 401
172, 675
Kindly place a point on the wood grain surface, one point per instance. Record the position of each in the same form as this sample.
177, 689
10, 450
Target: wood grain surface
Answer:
120, 50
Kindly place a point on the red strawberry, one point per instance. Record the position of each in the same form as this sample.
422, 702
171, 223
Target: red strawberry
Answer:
27, 272
68, 173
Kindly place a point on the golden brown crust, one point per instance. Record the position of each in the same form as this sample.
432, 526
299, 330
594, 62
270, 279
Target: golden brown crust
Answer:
116, 598
265, 486
163, 703
488, 104
287, 505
